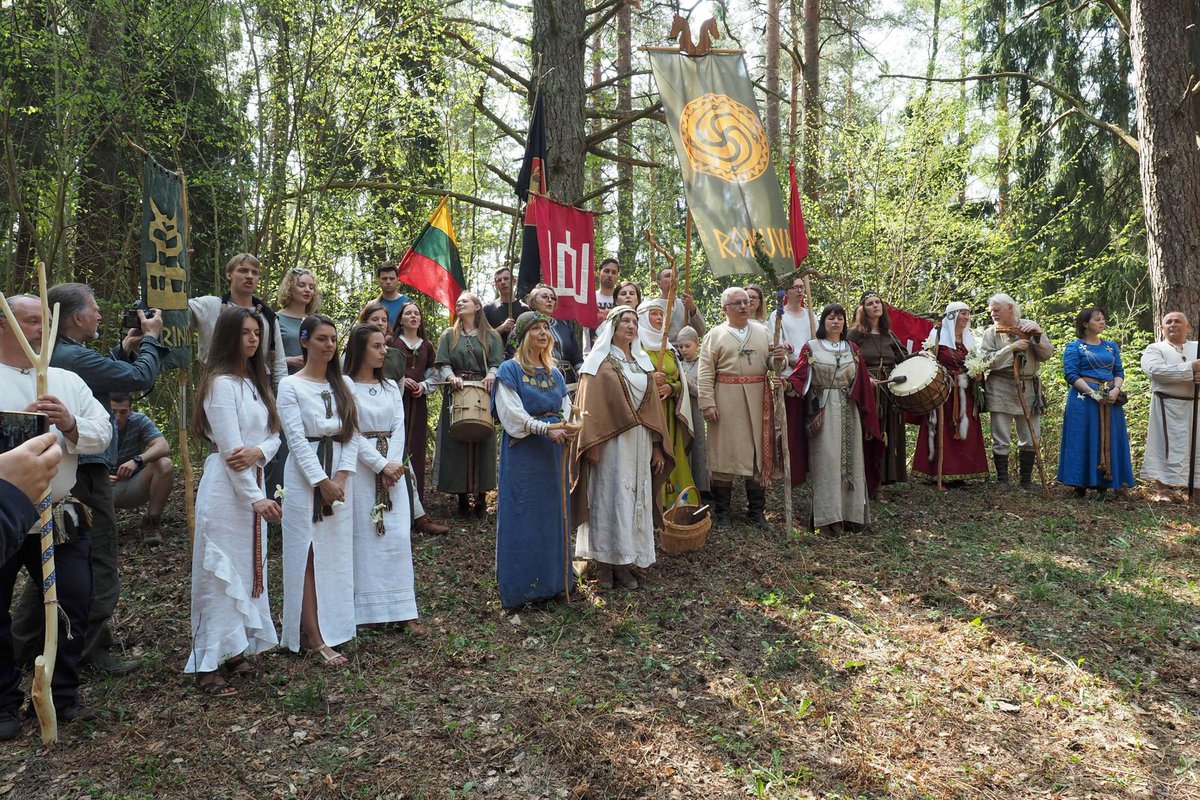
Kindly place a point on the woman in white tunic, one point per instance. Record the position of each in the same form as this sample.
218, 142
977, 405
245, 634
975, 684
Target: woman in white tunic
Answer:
383, 568
320, 421
621, 460
235, 410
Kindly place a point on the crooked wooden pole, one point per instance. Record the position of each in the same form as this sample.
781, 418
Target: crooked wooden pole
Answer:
43, 666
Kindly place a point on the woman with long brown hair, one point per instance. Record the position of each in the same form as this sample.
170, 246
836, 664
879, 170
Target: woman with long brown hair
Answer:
383, 568
320, 421
235, 411
469, 351
881, 351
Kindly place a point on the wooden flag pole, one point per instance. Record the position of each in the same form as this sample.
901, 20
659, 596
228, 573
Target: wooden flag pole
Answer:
687, 256
43, 666
185, 453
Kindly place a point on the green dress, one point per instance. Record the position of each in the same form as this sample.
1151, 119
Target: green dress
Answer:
681, 436
465, 467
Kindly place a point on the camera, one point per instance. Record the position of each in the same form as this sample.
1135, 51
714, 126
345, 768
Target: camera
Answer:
130, 320
18, 427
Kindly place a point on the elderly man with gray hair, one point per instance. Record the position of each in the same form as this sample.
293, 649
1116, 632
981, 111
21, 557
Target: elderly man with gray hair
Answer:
735, 398
1011, 339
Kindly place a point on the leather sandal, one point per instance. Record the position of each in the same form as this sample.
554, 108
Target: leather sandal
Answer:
211, 683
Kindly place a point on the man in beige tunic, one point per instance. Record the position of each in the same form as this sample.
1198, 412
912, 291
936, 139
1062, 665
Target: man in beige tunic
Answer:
735, 399
1010, 336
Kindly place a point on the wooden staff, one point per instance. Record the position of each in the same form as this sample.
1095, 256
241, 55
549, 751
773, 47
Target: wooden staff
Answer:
1030, 422
573, 424
43, 666
687, 257
185, 453
1192, 452
781, 415
941, 443
670, 259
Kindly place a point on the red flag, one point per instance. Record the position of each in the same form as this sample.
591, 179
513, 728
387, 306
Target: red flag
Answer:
911, 330
796, 220
566, 239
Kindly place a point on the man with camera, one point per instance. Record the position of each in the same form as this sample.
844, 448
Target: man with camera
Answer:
144, 475
82, 427
131, 366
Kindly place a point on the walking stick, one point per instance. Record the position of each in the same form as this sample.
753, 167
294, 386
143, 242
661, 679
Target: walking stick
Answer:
941, 444
43, 666
1192, 453
785, 447
572, 425
1033, 434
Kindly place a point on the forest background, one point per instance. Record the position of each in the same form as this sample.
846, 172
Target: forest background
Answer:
948, 148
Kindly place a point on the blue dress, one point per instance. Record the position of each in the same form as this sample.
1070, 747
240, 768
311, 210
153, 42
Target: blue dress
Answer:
1079, 455
531, 548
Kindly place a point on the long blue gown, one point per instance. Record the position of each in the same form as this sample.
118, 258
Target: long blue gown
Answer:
1079, 456
531, 551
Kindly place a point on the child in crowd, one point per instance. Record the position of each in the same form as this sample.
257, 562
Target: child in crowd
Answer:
688, 345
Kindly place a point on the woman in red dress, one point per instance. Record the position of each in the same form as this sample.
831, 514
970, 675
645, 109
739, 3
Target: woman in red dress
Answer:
963, 453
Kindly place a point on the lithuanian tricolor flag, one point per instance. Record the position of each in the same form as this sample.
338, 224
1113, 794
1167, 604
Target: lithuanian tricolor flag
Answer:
432, 265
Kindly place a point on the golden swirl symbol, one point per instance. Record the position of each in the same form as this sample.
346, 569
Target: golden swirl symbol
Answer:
724, 138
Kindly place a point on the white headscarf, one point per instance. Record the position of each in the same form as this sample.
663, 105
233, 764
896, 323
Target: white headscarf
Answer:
949, 319
650, 336
603, 344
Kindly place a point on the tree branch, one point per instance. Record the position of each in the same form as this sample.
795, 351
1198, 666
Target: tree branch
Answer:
603, 19
606, 154
499, 123
521, 40
1119, 13
389, 186
491, 62
627, 120
605, 188
1066, 97
502, 175
595, 87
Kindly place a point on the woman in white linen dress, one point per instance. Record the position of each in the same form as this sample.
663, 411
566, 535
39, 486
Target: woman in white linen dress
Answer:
320, 421
383, 568
235, 410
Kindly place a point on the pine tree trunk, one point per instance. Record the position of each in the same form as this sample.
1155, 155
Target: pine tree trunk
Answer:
772, 76
1170, 160
558, 50
812, 94
627, 241
794, 96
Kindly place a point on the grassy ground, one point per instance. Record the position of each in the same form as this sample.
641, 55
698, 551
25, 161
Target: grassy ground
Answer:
977, 644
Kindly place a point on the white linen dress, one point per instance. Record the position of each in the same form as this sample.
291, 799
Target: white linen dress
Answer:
620, 529
227, 620
383, 568
305, 414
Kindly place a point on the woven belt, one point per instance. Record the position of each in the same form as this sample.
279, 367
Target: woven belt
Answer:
1162, 398
768, 421
325, 456
382, 496
1105, 465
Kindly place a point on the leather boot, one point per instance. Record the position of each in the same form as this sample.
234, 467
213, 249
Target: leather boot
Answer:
428, 526
722, 497
756, 503
1001, 462
464, 508
1027, 460
481, 505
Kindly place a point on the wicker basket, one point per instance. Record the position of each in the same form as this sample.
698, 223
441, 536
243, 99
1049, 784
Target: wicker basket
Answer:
682, 531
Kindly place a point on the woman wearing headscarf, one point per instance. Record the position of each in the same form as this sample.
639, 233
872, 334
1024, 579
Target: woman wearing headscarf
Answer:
671, 390
1095, 442
963, 455
621, 462
881, 351
840, 430
530, 395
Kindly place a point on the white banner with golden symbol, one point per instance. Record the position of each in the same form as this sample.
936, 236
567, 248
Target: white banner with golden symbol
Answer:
728, 177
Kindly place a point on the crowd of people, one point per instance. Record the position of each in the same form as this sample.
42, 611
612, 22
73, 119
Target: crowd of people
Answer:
585, 436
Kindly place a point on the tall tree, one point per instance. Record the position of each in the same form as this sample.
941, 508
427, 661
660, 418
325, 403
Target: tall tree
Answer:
1170, 160
811, 94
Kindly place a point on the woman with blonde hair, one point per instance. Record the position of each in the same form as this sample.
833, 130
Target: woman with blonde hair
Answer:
298, 296
758, 307
467, 351
529, 396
